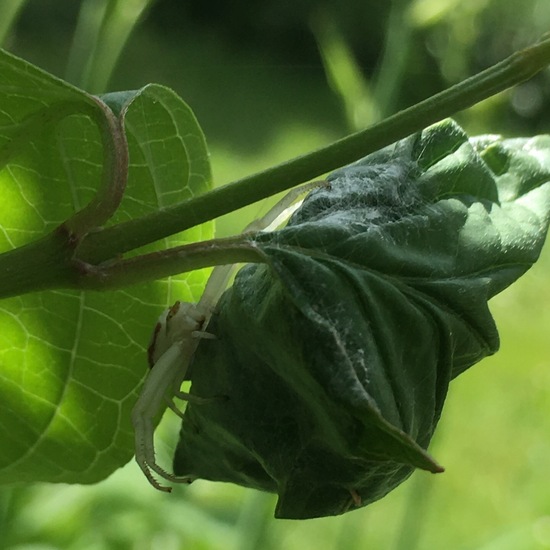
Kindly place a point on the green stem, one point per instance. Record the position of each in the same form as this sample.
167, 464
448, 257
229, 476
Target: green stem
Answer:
113, 177
127, 236
39, 265
158, 265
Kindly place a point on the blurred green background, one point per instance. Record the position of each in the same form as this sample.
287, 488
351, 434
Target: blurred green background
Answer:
269, 80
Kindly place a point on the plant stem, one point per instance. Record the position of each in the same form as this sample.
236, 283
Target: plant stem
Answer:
158, 265
115, 240
39, 265
114, 174
172, 261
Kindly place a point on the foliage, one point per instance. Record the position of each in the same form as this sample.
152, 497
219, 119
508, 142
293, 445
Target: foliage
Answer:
333, 359
75, 237
72, 360
258, 109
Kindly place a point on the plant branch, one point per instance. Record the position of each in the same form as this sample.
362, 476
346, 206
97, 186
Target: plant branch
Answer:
157, 265
40, 265
112, 241
48, 262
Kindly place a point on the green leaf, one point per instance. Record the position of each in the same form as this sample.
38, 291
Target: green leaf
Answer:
39, 116
169, 157
332, 361
71, 362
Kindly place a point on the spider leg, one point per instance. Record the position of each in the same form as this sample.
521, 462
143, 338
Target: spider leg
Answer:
184, 396
161, 378
145, 457
283, 209
203, 335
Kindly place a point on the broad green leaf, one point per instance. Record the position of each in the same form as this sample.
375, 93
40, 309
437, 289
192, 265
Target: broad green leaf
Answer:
332, 360
71, 362
169, 159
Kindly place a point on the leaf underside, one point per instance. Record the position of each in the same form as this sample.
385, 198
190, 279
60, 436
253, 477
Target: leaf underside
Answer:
71, 362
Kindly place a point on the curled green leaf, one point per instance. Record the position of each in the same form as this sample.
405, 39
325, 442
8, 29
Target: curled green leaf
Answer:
332, 360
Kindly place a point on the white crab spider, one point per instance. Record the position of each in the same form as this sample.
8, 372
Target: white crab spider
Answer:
176, 336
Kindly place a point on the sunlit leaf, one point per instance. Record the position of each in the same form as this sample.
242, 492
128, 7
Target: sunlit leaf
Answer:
71, 362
